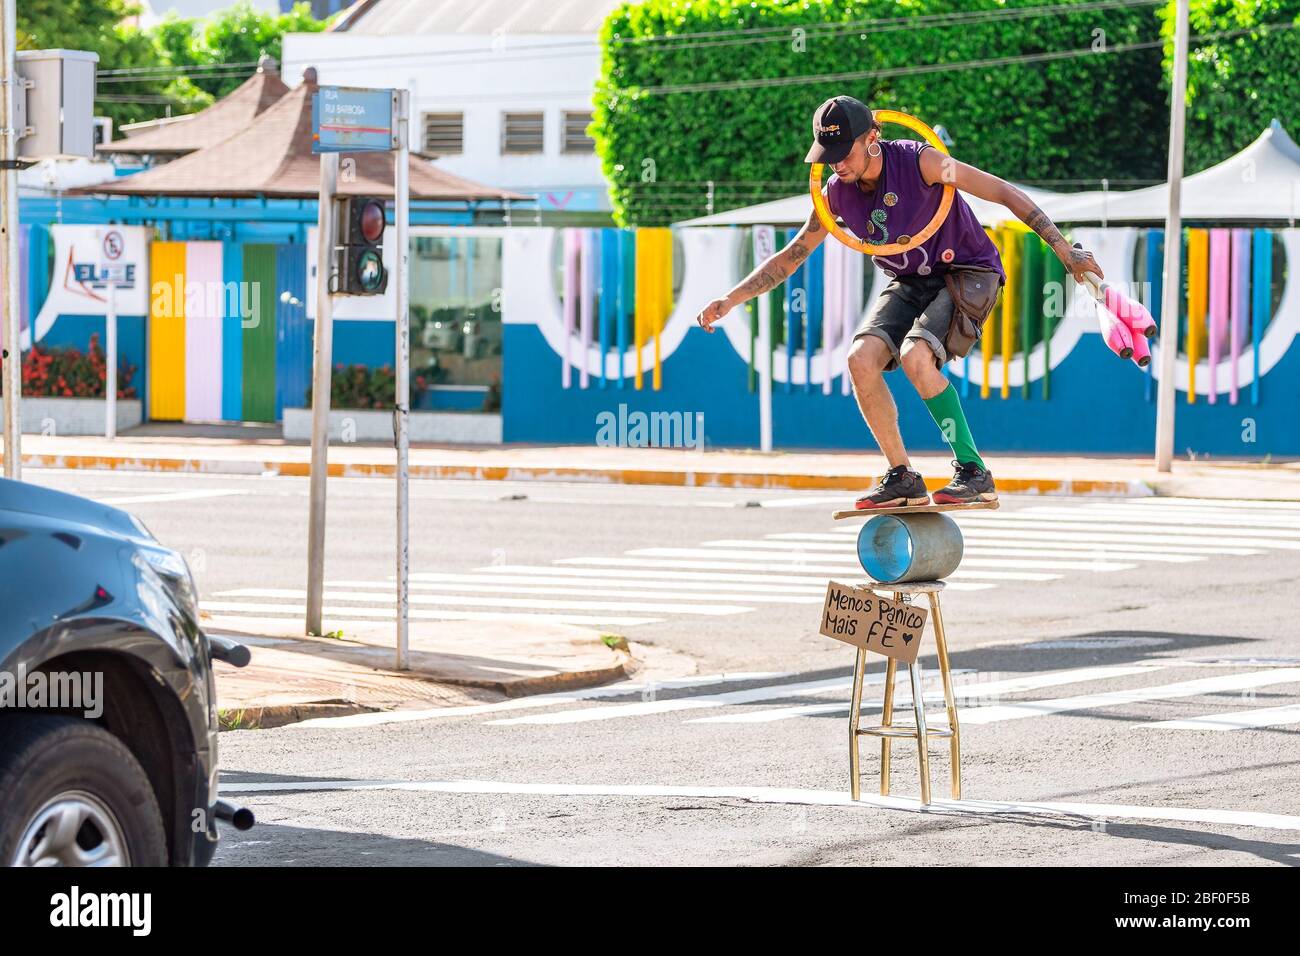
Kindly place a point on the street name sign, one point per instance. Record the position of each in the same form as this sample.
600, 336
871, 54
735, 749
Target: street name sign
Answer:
349, 119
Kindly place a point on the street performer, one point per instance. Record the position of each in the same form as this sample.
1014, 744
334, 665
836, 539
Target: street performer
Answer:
939, 294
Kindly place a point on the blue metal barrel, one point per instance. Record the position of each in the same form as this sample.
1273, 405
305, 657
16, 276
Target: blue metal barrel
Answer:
898, 548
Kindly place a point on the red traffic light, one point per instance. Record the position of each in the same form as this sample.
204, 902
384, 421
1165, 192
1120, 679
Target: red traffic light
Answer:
372, 220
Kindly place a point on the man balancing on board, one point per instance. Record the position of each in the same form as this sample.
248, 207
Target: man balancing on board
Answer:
886, 190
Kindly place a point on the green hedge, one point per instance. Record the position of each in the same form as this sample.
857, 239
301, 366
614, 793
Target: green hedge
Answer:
1237, 84
1082, 118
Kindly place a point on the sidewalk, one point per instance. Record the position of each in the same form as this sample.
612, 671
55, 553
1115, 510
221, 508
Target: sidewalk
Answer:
831, 471
454, 663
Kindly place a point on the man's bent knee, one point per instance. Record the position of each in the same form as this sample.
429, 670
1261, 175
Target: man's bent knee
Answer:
919, 359
868, 355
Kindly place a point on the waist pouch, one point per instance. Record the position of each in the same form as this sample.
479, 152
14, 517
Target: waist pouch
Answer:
974, 293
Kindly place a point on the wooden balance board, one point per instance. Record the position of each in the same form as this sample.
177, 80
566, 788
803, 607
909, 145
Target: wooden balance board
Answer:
914, 509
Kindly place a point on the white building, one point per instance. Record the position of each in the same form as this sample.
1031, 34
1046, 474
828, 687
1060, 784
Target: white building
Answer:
500, 89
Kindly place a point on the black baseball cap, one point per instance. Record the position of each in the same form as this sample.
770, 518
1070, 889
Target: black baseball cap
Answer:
836, 124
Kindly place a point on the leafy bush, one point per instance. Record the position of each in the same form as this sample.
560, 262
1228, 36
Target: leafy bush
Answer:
72, 373
1237, 84
1076, 118
359, 386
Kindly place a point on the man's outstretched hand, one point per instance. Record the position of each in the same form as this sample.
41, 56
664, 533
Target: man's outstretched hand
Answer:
1079, 262
713, 312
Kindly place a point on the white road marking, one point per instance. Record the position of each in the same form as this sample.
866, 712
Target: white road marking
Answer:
173, 496
1111, 537
620, 689
1181, 517
802, 569
1252, 537
1137, 695
1233, 504
343, 615
1127, 552
382, 592
768, 549
531, 604
776, 582
668, 591
962, 691
777, 795
1235, 720
646, 708
486, 581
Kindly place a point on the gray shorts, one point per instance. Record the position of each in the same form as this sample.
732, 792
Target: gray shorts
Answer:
911, 307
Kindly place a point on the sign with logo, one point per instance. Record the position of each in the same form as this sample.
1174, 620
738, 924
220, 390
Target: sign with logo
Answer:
86, 260
348, 119
861, 617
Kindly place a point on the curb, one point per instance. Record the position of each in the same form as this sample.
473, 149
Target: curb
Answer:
624, 476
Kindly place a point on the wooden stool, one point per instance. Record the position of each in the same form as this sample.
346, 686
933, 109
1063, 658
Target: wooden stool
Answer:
919, 731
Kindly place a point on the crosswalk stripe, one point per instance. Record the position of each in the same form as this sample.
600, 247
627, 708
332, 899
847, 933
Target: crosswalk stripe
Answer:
619, 689
1234, 504
1191, 688
340, 615
961, 691
991, 532
774, 582
481, 580
384, 591
1231, 516
1266, 536
1235, 720
1161, 523
647, 708
540, 604
165, 496
1067, 548
796, 582
798, 690
769, 549
797, 569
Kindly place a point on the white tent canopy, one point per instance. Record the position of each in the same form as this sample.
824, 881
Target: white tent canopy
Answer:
795, 210
1262, 182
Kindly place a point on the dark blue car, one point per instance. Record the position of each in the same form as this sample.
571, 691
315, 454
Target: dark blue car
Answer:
108, 715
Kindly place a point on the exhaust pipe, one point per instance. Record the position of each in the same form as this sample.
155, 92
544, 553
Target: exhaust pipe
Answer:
241, 818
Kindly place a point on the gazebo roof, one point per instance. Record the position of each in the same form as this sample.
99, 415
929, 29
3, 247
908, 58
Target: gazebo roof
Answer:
179, 135
272, 157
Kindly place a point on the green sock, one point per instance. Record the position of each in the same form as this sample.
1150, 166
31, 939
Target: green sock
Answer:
945, 409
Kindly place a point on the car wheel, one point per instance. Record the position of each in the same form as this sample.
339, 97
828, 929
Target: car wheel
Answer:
72, 794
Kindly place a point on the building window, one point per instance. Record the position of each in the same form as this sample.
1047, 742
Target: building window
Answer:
576, 139
444, 133
522, 133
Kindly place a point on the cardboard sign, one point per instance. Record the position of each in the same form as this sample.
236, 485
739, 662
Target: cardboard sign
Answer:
861, 617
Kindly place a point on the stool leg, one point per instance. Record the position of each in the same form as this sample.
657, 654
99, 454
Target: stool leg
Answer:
922, 738
949, 699
855, 706
886, 720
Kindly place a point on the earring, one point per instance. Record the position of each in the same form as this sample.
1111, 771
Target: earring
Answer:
873, 149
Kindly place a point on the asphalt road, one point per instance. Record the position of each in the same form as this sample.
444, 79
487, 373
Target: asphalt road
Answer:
1129, 680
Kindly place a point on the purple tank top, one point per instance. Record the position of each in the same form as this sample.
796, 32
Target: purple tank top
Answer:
901, 205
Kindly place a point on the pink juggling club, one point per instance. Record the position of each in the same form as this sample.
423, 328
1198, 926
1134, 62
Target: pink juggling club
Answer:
1118, 336
1141, 353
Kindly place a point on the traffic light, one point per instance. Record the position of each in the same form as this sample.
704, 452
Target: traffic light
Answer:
361, 227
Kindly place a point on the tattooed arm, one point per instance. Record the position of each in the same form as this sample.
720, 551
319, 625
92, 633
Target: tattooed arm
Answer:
937, 168
768, 275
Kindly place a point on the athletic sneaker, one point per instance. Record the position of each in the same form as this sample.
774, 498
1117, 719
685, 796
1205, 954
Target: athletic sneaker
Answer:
900, 486
969, 485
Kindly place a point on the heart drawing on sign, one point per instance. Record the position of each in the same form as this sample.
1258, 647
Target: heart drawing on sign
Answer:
907, 638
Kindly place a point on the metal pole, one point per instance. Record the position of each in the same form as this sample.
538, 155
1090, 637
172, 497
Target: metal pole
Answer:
402, 410
9, 303
1167, 390
320, 390
110, 363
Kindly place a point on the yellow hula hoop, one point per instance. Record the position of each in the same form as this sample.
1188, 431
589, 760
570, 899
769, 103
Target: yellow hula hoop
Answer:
887, 248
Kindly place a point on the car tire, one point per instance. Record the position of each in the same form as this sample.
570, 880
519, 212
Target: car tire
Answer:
61, 768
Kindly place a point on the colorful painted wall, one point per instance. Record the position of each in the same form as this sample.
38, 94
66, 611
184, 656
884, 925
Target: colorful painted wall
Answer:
588, 327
